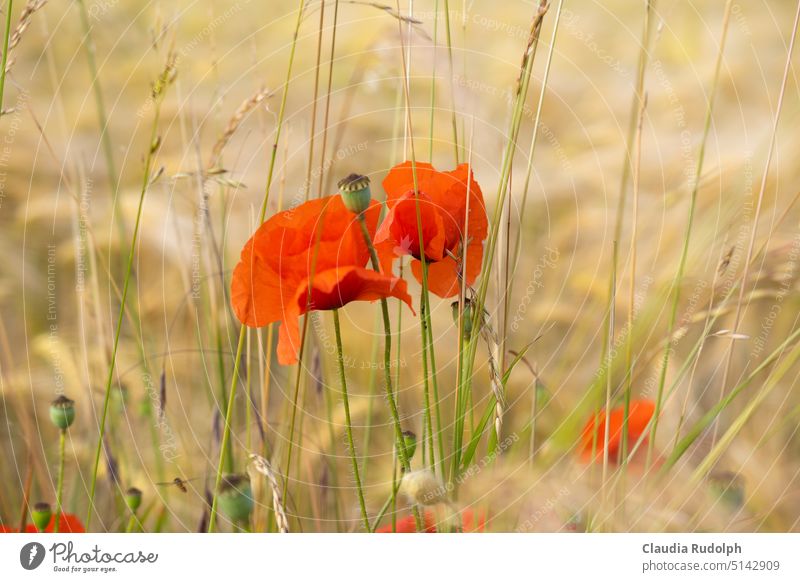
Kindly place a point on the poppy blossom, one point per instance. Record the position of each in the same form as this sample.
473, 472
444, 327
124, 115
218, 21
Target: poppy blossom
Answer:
309, 258
448, 203
408, 525
640, 413
69, 523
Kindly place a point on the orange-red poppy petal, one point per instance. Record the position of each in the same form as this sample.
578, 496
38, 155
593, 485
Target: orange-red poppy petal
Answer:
443, 279
402, 229
315, 236
400, 180
332, 289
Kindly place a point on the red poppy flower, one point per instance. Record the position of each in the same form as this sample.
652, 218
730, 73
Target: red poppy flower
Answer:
641, 411
444, 199
408, 525
273, 280
69, 524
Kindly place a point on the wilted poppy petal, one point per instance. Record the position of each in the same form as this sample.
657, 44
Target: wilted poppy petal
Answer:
593, 434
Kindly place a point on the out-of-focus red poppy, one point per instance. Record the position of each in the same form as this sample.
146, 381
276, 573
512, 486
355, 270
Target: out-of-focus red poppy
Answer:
69, 524
309, 258
449, 202
641, 411
407, 525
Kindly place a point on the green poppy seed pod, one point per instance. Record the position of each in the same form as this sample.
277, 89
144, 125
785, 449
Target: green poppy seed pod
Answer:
355, 193
41, 515
410, 444
236, 497
62, 412
133, 499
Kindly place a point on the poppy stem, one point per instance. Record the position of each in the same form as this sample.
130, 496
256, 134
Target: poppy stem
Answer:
226, 433
348, 423
405, 466
62, 439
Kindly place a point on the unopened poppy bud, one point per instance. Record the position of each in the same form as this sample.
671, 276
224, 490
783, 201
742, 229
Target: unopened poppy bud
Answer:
729, 487
62, 412
236, 497
355, 193
423, 488
410, 444
41, 515
133, 499
467, 316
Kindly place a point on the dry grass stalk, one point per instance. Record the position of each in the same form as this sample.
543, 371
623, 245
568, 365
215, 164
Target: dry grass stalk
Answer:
264, 467
24, 21
233, 124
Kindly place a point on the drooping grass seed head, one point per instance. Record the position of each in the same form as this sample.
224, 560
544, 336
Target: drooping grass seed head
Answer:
410, 444
423, 487
41, 515
133, 498
236, 497
62, 412
355, 193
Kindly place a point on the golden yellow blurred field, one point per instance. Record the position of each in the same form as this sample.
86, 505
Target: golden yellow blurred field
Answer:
65, 253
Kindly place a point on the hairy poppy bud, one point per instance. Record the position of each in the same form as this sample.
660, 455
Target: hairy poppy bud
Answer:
729, 487
41, 515
410, 444
133, 499
236, 497
467, 317
62, 412
423, 488
355, 193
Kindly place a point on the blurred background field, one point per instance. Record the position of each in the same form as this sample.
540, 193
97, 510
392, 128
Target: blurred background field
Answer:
65, 250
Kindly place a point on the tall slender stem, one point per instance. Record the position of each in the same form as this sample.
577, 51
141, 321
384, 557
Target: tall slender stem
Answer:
151, 151
62, 439
226, 433
387, 374
5, 52
348, 423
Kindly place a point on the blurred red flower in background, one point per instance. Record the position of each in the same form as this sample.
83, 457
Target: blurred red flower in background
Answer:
641, 411
407, 524
69, 524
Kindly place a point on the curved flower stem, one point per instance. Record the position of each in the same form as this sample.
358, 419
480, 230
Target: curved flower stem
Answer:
427, 340
62, 439
405, 466
131, 522
262, 213
226, 433
164, 79
348, 423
